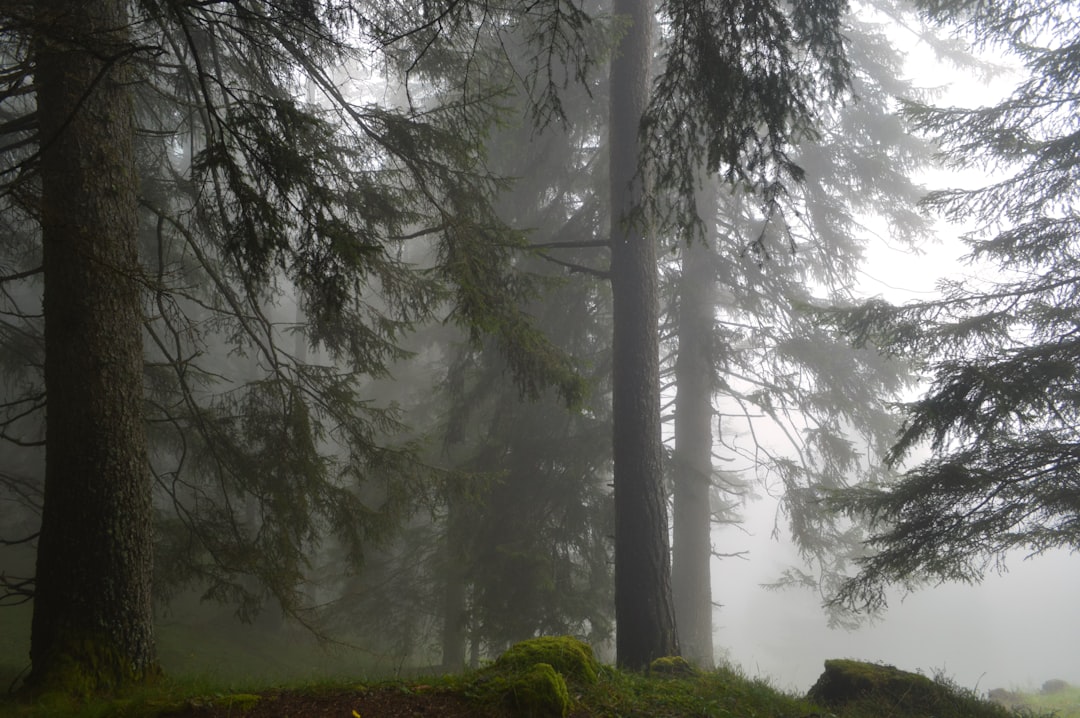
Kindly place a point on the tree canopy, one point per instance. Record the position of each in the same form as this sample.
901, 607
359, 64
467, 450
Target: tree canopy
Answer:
254, 169
1000, 346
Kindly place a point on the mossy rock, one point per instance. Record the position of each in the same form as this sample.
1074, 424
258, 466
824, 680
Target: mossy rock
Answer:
539, 692
846, 681
671, 667
1054, 685
567, 655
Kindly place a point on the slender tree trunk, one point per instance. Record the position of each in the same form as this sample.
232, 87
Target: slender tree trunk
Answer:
645, 624
694, 374
455, 616
92, 626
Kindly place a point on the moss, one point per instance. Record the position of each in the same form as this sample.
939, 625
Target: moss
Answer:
531, 677
567, 655
88, 667
846, 682
539, 692
671, 667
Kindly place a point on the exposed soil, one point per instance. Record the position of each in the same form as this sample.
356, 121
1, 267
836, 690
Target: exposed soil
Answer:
374, 703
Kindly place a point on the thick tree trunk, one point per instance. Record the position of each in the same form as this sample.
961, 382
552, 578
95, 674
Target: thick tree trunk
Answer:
694, 374
645, 624
92, 625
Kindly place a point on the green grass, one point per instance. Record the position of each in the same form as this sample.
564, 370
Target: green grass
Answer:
723, 693
220, 662
1064, 704
218, 654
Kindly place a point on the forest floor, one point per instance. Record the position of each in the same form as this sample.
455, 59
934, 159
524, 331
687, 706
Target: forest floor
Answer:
386, 702
719, 694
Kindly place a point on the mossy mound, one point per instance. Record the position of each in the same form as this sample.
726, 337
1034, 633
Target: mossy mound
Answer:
889, 691
671, 667
530, 679
539, 692
567, 655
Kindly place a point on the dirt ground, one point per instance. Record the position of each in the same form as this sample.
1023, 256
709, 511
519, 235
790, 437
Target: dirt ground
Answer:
375, 703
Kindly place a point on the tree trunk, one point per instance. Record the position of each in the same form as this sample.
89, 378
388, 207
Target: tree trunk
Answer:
455, 614
694, 374
645, 624
92, 626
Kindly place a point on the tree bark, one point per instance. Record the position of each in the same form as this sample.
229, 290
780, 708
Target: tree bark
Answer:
645, 624
92, 626
455, 612
692, 516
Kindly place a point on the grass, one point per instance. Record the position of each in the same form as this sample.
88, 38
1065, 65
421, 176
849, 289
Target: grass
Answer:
219, 661
722, 693
1063, 704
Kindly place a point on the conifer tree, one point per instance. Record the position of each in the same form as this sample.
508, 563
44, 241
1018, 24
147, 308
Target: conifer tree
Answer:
747, 355
223, 188
999, 347
733, 90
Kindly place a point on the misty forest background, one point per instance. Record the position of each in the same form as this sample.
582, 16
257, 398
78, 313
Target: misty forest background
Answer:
429, 327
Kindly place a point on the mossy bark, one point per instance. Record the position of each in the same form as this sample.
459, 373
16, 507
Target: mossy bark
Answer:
92, 627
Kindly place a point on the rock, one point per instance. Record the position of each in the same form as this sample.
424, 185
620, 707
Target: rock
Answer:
1005, 697
1054, 685
847, 681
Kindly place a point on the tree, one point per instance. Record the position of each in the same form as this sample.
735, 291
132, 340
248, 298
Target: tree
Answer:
532, 539
733, 90
92, 608
644, 615
746, 354
692, 457
245, 191
1001, 350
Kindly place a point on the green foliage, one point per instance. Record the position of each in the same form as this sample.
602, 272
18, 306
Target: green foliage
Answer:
294, 230
740, 83
1001, 348
772, 363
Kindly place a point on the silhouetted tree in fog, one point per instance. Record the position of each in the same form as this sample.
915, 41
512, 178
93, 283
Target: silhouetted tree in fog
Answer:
732, 91
748, 355
644, 615
1001, 347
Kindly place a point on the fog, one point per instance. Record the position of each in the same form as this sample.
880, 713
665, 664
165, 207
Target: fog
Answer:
1014, 630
